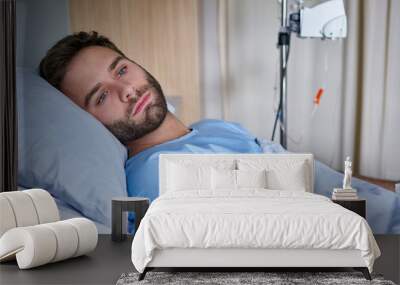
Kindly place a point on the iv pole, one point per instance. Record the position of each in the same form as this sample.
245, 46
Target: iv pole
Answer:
326, 21
283, 43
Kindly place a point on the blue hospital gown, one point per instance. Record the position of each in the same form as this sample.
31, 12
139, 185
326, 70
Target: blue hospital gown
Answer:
216, 136
206, 136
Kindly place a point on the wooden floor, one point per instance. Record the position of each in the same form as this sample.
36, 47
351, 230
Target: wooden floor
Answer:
389, 262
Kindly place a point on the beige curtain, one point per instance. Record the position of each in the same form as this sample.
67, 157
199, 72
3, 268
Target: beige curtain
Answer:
379, 87
360, 76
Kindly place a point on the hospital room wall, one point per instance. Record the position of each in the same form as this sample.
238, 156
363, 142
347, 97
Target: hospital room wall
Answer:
359, 107
40, 24
160, 35
236, 78
231, 65
248, 91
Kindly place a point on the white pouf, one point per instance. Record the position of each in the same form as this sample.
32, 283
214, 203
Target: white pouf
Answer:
31, 232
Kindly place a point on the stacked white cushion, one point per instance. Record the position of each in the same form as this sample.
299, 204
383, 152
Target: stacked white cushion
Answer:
26, 208
37, 245
7, 218
31, 232
23, 208
87, 235
67, 237
45, 206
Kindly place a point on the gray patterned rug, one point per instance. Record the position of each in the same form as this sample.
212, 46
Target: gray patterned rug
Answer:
228, 278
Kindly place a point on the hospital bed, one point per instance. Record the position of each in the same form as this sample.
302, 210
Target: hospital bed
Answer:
50, 128
66, 151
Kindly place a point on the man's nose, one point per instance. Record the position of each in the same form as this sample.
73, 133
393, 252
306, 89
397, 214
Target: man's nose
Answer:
127, 93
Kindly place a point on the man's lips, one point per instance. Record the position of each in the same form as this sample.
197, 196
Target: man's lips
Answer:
141, 103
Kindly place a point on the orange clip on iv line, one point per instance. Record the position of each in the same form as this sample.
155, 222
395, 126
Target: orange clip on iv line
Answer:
317, 100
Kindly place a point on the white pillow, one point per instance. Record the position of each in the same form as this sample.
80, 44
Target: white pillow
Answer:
184, 177
291, 178
282, 173
251, 178
223, 179
186, 174
237, 179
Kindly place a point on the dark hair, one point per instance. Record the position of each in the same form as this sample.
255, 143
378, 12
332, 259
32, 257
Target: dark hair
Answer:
54, 64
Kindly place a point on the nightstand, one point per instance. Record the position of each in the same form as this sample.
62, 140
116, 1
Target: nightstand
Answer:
138, 205
358, 206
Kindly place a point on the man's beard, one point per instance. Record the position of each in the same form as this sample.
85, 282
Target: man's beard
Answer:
127, 130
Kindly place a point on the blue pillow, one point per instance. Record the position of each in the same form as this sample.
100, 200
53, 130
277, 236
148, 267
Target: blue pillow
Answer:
65, 150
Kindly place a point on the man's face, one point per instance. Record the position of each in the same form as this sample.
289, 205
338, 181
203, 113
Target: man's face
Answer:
119, 93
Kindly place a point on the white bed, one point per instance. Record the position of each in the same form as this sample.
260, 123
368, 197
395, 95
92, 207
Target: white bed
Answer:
199, 226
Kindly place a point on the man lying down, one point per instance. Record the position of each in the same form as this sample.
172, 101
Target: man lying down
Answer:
129, 101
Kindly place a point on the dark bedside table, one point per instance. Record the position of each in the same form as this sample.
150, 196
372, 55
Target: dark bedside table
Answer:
138, 205
358, 206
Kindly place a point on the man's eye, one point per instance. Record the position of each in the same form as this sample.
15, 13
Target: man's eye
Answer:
122, 71
102, 97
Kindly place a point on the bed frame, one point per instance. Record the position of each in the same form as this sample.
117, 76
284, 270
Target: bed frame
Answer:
260, 259
245, 259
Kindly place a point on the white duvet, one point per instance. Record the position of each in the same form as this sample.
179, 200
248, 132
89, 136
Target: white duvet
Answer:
252, 218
